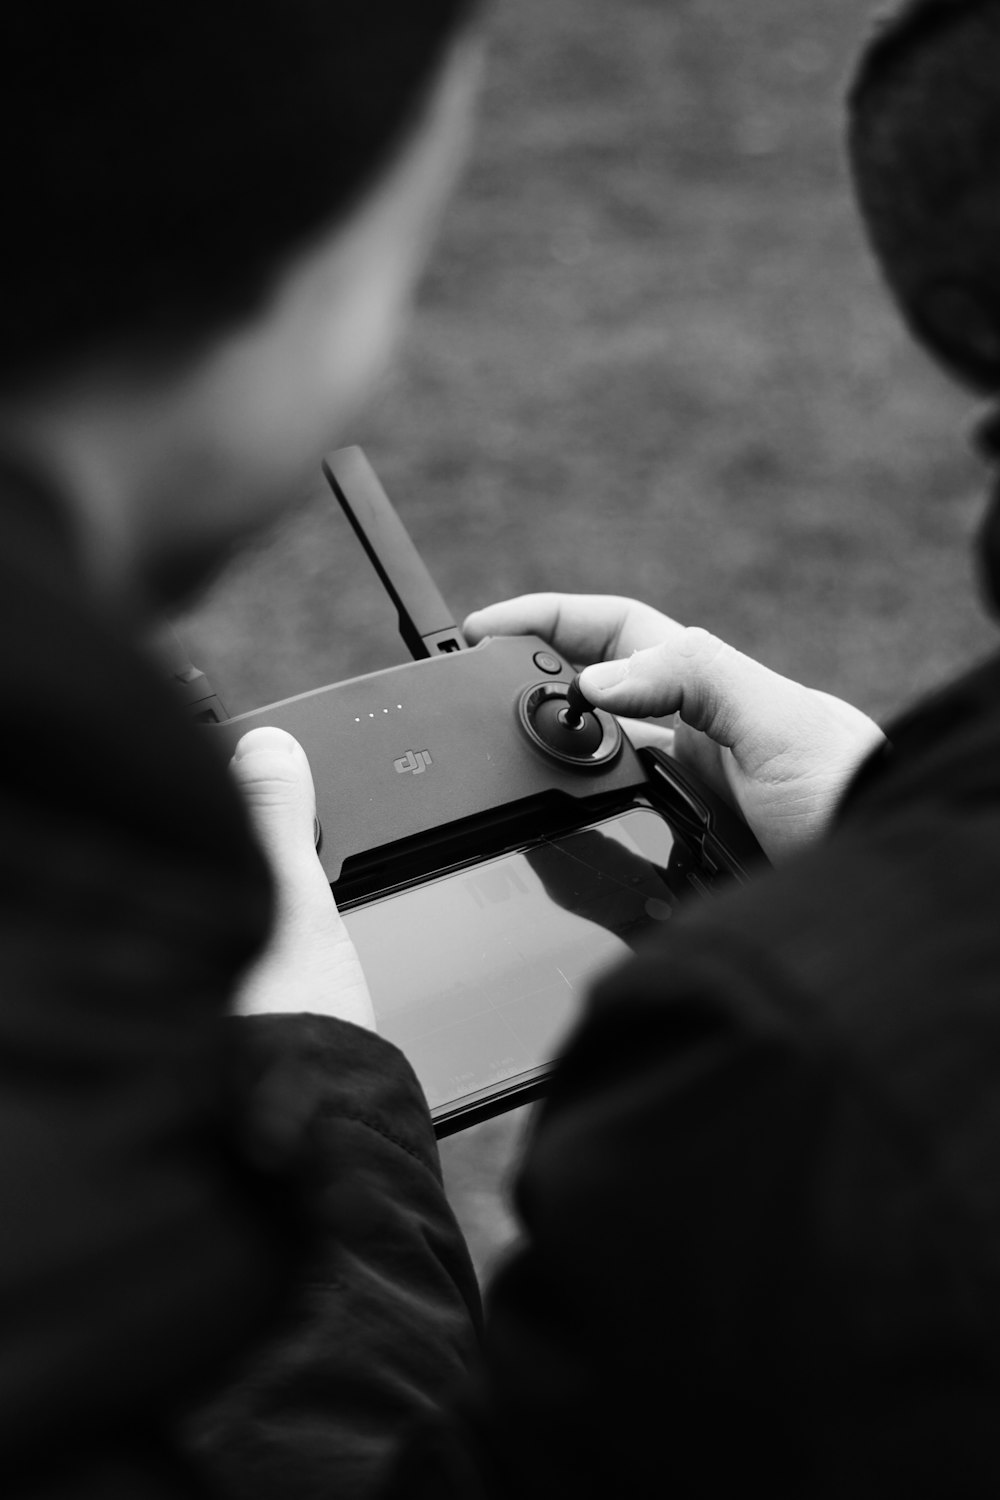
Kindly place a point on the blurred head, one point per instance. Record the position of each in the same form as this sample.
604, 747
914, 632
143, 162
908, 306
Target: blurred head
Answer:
925, 155
215, 216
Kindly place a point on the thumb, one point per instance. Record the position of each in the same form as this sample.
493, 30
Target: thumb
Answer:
713, 687
310, 963
272, 771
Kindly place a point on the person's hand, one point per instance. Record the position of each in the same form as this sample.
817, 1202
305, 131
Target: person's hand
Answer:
779, 752
310, 963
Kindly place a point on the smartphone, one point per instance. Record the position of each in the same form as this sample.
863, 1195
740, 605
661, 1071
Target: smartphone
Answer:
480, 973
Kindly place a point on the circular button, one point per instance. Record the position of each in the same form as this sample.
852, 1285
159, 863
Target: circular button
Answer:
546, 662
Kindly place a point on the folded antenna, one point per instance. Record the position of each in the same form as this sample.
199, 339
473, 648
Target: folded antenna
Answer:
425, 621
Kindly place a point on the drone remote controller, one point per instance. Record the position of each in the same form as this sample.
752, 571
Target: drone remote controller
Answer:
492, 839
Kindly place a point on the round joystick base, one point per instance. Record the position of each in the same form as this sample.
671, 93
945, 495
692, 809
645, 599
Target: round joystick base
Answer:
554, 727
587, 740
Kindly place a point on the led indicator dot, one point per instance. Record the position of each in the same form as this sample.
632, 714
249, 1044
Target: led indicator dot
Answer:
357, 721
399, 705
371, 716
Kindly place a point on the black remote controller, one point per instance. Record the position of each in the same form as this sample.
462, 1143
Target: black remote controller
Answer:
462, 761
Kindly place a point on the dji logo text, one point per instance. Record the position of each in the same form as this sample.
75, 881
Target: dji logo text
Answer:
414, 762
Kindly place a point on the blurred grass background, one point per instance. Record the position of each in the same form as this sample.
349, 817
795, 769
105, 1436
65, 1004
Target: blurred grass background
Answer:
651, 357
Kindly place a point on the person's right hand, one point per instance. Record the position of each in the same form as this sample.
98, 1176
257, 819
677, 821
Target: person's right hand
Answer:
781, 753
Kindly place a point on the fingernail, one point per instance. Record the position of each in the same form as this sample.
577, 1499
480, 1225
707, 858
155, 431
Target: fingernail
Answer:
254, 741
606, 674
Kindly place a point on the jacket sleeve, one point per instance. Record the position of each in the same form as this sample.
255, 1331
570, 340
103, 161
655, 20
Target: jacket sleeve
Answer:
386, 1327
642, 1275
141, 1244
719, 1231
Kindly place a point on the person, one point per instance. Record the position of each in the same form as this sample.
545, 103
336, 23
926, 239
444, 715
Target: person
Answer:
759, 1229
215, 217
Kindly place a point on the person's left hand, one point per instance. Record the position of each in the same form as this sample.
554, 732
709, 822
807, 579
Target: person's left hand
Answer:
311, 963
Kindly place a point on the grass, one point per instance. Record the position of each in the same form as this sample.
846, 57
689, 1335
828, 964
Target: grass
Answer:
652, 357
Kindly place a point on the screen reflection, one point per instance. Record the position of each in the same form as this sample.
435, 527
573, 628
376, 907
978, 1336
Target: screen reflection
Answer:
477, 975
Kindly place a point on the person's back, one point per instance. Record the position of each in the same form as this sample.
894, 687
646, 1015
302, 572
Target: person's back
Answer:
214, 218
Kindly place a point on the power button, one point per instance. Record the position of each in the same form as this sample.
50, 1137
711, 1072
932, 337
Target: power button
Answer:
546, 662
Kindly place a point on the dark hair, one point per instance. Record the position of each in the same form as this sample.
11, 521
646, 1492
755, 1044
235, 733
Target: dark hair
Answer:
163, 158
925, 154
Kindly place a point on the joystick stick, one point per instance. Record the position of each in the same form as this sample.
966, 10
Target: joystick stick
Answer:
577, 707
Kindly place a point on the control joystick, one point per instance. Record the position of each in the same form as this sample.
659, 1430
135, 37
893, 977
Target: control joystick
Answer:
576, 734
558, 720
577, 707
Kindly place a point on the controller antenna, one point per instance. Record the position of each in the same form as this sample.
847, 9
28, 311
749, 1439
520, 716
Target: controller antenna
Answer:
576, 706
425, 622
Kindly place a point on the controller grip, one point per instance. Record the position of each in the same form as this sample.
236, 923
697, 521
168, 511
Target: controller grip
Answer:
723, 839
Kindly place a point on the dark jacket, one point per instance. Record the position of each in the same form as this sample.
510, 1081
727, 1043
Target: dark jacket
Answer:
761, 1241
159, 1187
761, 1207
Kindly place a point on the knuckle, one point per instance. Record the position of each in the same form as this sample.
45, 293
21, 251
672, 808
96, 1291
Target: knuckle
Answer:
700, 646
267, 779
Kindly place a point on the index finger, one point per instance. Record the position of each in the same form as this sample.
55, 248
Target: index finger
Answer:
583, 627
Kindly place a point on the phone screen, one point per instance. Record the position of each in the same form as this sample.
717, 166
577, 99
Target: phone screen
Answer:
478, 975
